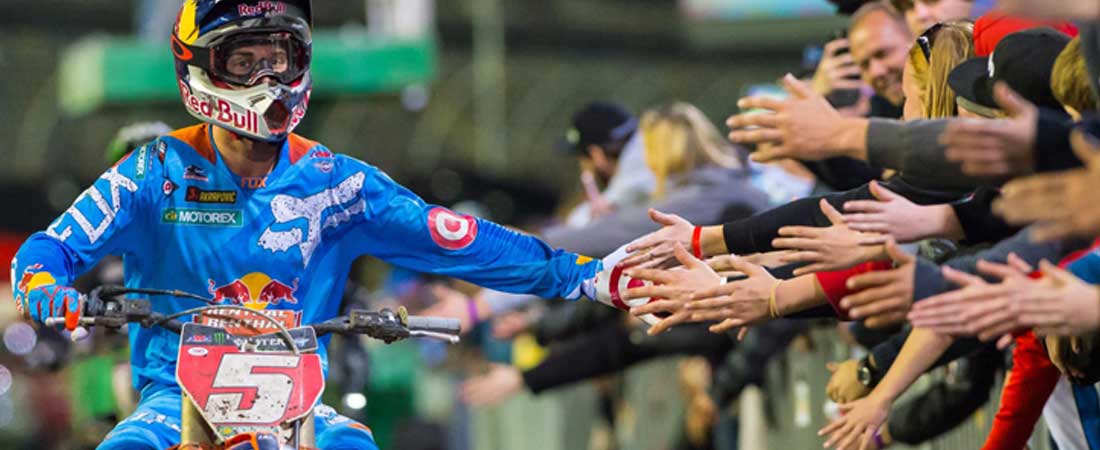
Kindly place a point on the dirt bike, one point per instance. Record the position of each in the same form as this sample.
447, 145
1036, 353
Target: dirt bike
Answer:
249, 379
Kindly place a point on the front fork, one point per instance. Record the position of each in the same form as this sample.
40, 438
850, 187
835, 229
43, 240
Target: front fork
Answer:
196, 434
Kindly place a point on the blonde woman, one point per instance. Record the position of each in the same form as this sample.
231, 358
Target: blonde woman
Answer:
700, 176
678, 139
950, 45
931, 59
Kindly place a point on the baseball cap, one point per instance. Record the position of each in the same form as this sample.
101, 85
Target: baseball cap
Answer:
598, 123
993, 26
1023, 59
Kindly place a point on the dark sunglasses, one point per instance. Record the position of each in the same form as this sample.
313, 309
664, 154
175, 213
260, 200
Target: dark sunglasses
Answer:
927, 39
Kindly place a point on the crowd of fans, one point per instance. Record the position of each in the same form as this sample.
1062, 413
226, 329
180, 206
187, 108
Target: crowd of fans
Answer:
929, 185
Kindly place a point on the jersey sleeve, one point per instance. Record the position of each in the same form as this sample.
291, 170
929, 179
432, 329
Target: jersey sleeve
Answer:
1026, 390
102, 220
402, 229
835, 284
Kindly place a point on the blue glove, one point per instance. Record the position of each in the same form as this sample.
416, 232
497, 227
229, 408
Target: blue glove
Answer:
52, 300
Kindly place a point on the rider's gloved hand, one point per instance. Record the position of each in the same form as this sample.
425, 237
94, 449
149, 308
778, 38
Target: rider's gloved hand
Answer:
52, 300
609, 286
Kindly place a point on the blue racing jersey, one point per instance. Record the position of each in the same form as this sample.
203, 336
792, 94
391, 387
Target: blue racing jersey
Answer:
181, 219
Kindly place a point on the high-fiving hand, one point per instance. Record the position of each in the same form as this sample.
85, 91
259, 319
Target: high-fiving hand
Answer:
995, 147
656, 249
883, 296
856, 427
1061, 204
804, 126
1062, 306
737, 304
977, 308
695, 293
671, 290
829, 248
896, 216
844, 385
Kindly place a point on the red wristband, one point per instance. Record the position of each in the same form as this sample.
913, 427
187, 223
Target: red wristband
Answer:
696, 245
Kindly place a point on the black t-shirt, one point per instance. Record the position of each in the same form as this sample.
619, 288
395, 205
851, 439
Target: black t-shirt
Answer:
883, 109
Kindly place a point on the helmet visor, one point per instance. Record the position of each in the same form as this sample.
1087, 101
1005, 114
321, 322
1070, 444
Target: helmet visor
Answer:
245, 59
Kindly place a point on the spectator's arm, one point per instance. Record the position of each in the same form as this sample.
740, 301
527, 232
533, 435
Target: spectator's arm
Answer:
913, 148
921, 350
609, 349
744, 364
1052, 148
886, 352
978, 222
705, 200
1029, 384
754, 234
567, 320
835, 284
929, 279
947, 404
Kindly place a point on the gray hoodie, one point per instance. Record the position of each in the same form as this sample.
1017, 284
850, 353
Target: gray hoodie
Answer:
704, 196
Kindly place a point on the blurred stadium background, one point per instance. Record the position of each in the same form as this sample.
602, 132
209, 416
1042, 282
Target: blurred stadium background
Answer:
425, 90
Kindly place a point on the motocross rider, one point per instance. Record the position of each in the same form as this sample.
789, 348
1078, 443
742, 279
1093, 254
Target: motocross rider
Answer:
242, 210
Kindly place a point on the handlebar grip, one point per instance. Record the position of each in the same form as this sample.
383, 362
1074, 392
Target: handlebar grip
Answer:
434, 324
60, 321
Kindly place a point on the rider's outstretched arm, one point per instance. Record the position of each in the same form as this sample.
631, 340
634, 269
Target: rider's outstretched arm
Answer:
402, 229
100, 222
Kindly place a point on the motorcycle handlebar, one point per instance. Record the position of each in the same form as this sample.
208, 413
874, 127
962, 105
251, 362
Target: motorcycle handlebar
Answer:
104, 306
434, 324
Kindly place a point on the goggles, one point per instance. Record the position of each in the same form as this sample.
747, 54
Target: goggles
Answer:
244, 59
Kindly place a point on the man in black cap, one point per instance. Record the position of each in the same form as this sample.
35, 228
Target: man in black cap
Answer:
604, 138
1023, 60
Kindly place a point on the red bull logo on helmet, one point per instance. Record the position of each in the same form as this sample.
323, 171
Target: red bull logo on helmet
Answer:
261, 8
221, 111
255, 290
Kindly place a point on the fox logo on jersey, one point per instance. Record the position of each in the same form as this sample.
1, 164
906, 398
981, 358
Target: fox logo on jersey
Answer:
343, 202
255, 290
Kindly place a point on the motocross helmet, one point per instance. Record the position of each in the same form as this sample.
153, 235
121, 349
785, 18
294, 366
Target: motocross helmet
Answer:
244, 65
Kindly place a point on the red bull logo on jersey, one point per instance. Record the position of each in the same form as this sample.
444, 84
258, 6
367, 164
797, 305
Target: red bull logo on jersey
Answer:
33, 276
451, 230
255, 290
220, 110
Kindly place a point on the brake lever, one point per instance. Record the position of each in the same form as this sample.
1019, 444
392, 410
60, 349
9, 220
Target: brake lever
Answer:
448, 338
79, 333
